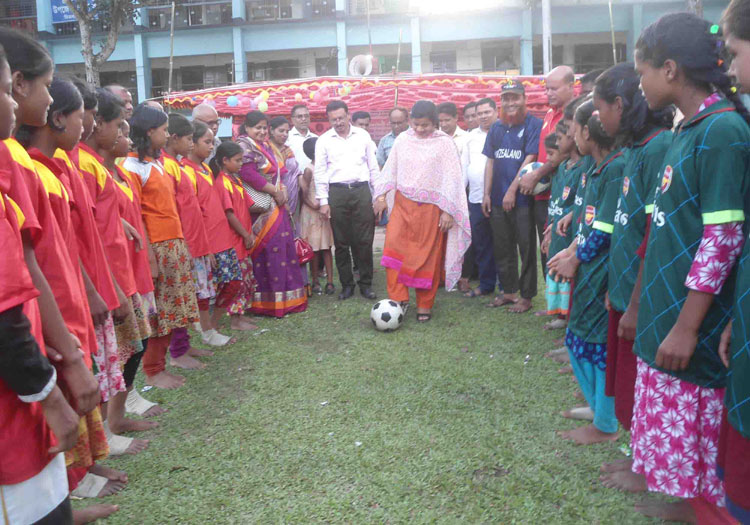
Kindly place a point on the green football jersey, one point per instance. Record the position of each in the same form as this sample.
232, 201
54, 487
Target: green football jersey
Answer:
588, 316
737, 398
703, 181
642, 164
562, 199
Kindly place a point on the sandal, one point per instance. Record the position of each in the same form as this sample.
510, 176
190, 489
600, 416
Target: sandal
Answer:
330, 289
316, 289
423, 317
404, 306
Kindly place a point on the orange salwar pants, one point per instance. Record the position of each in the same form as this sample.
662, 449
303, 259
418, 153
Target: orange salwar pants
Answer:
414, 251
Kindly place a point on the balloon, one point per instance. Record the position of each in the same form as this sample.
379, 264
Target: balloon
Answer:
312, 96
264, 95
232, 101
245, 101
298, 97
263, 106
318, 96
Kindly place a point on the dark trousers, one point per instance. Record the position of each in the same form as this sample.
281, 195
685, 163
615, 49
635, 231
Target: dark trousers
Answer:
513, 234
481, 241
62, 515
469, 268
353, 225
540, 219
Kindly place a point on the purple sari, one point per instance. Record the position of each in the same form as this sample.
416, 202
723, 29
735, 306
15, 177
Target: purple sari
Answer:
280, 286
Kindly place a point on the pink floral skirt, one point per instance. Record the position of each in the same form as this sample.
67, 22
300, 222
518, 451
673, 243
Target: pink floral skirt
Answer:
675, 435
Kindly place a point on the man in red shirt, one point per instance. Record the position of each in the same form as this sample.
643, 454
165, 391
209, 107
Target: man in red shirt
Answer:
559, 87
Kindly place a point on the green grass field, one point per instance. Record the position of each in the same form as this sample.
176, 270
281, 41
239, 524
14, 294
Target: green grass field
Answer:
323, 419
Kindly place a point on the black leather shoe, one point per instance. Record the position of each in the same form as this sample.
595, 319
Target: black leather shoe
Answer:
368, 293
346, 292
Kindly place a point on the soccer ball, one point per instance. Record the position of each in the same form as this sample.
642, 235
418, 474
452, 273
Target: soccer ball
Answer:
386, 315
541, 186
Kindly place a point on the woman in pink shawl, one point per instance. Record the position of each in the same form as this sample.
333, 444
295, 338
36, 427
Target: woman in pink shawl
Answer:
428, 231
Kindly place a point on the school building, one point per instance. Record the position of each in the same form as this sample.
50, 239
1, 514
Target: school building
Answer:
220, 42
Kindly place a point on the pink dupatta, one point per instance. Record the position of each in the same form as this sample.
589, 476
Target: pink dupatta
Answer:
429, 171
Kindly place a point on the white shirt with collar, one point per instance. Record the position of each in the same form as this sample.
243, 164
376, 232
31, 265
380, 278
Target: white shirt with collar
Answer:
295, 141
473, 163
459, 137
343, 160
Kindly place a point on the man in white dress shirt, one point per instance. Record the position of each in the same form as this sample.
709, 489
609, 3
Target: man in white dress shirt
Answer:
473, 162
345, 165
299, 133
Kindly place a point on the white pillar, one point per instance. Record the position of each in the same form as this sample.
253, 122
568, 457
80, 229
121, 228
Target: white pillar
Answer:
546, 35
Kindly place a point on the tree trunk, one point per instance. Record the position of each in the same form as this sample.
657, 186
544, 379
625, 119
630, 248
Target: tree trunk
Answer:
87, 50
695, 7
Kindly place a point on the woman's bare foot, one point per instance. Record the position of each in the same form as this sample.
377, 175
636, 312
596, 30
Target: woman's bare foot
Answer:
186, 362
242, 323
680, 511
165, 380
579, 395
624, 480
131, 425
199, 352
154, 411
588, 435
521, 306
617, 465
502, 300
567, 369
92, 513
109, 473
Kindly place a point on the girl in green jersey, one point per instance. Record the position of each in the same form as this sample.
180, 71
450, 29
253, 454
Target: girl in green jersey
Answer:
695, 238
734, 438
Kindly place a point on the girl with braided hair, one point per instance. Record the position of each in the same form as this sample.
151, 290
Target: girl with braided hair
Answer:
734, 438
695, 238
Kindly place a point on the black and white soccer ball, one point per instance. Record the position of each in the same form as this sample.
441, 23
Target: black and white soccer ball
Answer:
387, 315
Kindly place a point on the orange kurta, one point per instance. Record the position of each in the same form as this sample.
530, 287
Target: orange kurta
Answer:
414, 252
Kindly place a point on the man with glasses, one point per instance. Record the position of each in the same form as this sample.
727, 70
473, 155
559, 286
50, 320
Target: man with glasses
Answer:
208, 115
299, 133
559, 87
345, 165
399, 121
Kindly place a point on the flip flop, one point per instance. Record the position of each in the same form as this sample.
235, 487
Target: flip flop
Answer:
503, 302
330, 289
423, 318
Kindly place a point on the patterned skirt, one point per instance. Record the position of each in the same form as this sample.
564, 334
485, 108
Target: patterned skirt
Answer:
227, 267
244, 299
204, 284
107, 364
92, 442
174, 289
675, 435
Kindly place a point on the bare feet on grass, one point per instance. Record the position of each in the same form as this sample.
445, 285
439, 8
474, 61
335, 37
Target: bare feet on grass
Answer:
624, 480
680, 511
165, 380
242, 323
199, 352
617, 465
186, 362
154, 411
521, 306
567, 369
132, 425
579, 395
93, 513
117, 480
588, 435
